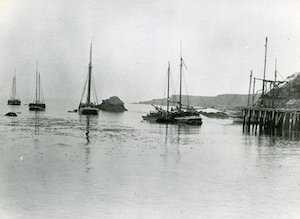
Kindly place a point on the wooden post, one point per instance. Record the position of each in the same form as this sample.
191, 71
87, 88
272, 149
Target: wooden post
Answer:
283, 121
244, 119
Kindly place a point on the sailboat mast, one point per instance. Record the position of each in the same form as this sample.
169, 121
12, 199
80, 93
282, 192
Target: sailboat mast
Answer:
275, 71
89, 77
36, 83
264, 78
168, 91
250, 82
39, 87
15, 88
180, 86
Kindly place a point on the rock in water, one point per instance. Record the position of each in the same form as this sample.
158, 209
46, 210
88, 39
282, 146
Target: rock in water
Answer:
10, 114
113, 104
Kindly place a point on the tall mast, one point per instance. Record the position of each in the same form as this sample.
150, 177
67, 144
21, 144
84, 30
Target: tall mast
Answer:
15, 87
266, 49
168, 91
88, 101
249, 89
39, 87
275, 71
36, 83
180, 87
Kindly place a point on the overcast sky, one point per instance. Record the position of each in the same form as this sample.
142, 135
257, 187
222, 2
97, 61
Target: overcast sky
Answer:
134, 39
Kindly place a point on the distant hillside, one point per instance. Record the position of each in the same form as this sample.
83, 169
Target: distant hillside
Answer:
224, 101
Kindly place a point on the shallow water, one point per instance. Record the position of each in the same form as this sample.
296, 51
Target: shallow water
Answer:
57, 164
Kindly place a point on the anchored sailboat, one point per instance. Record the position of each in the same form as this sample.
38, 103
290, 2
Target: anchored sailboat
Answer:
14, 100
89, 107
185, 114
181, 114
159, 112
38, 104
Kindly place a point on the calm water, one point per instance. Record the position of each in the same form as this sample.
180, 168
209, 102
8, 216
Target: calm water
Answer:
56, 164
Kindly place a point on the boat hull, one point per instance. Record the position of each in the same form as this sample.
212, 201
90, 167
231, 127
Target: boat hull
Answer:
37, 107
149, 118
189, 120
88, 111
14, 102
165, 121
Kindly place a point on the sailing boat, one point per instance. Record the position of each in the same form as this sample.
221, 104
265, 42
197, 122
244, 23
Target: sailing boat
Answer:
152, 116
14, 99
89, 108
166, 117
182, 114
38, 104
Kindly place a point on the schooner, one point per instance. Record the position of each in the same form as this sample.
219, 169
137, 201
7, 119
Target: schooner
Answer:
14, 100
88, 107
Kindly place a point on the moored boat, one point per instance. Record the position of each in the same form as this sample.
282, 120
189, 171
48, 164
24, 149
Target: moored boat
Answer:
14, 100
88, 107
38, 104
182, 114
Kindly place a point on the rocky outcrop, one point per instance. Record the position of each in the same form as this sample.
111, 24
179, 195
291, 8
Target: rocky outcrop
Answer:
113, 104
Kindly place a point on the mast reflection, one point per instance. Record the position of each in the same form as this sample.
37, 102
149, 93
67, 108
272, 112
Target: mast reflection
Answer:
36, 123
87, 120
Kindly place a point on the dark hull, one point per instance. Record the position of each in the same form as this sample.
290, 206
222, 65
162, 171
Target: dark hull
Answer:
150, 118
14, 102
194, 122
89, 112
11, 114
37, 107
85, 110
189, 120
165, 121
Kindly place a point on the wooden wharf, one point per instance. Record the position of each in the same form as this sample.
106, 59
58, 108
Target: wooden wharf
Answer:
270, 120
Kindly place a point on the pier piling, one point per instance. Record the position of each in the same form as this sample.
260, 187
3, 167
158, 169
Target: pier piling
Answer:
268, 120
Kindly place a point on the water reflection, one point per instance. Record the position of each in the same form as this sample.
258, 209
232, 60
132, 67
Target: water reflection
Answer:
287, 135
36, 123
176, 136
87, 121
87, 130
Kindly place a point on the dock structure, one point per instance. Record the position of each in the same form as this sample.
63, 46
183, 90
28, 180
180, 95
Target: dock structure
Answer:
270, 120
271, 113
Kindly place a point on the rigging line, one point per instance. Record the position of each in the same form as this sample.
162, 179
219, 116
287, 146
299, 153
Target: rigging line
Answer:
94, 94
187, 95
171, 85
164, 92
12, 90
173, 89
42, 94
15, 90
84, 88
280, 75
184, 65
94, 89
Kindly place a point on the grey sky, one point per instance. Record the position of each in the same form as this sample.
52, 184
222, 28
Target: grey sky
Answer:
134, 39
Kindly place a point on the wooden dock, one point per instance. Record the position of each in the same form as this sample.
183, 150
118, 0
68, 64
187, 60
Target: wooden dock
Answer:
270, 120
